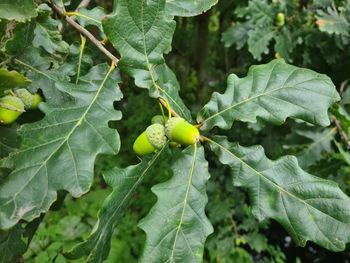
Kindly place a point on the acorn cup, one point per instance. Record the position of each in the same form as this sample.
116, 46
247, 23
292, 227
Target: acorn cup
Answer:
31, 101
11, 108
180, 131
26, 97
150, 140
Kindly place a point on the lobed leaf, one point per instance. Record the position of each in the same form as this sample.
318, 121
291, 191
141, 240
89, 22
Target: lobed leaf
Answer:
142, 32
19, 10
188, 8
309, 208
177, 226
272, 92
58, 152
124, 182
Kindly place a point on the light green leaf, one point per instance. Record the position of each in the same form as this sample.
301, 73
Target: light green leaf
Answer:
272, 92
124, 182
177, 226
309, 208
142, 32
332, 23
58, 152
19, 10
11, 79
188, 8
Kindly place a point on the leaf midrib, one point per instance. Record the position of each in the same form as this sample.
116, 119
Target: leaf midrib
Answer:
65, 139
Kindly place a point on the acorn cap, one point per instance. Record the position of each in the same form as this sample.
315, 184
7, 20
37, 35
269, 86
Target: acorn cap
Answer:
179, 130
156, 135
142, 146
26, 97
159, 119
12, 103
10, 109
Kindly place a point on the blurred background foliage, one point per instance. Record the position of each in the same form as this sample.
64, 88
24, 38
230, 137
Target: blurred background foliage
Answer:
227, 39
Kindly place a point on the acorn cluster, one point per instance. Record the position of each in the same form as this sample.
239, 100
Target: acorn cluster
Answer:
175, 129
14, 103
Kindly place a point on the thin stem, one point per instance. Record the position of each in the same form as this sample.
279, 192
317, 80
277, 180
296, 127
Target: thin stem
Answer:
342, 133
162, 110
85, 33
82, 15
82, 47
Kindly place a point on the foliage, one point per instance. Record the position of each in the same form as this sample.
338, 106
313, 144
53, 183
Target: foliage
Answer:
268, 175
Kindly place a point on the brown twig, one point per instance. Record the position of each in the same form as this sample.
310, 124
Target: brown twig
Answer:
85, 33
173, 113
342, 133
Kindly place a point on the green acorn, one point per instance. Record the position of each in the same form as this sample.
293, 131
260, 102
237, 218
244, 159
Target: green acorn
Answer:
150, 140
179, 130
159, 119
280, 19
26, 97
37, 100
11, 108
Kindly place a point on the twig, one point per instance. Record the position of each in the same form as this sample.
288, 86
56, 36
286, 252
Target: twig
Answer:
343, 85
85, 33
342, 133
166, 106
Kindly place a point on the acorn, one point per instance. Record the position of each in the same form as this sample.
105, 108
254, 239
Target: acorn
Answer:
280, 19
11, 108
37, 100
179, 130
150, 140
159, 119
26, 97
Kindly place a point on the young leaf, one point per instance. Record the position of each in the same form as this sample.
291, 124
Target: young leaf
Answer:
11, 79
188, 8
177, 226
273, 92
142, 32
309, 208
58, 152
124, 182
19, 10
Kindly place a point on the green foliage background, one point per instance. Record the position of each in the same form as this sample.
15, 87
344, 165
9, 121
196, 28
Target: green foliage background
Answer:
228, 38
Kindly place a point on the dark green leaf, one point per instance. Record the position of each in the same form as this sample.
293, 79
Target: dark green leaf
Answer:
272, 92
58, 152
124, 182
142, 32
309, 208
177, 226
11, 244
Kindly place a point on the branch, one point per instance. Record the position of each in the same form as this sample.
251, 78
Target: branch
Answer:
342, 133
85, 33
